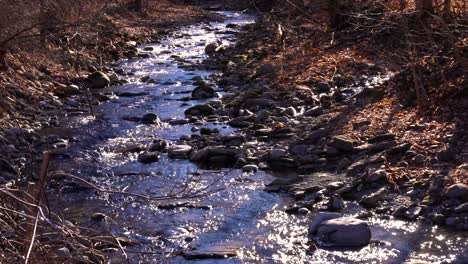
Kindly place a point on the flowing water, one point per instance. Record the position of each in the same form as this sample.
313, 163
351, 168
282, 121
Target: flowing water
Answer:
240, 215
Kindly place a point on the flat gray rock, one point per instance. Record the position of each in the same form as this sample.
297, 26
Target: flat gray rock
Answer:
344, 231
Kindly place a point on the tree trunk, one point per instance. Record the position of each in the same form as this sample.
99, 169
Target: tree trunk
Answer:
403, 5
336, 17
139, 6
3, 62
333, 9
424, 6
447, 9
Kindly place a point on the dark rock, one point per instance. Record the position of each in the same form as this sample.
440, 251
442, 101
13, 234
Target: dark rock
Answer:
341, 143
179, 151
463, 208
203, 92
457, 191
132, 118
402, 148
250, 168
98, 216
63, 91
212, 48
234, 140
373, 199
317, 135
380, 138
149, 119
255, 104
290, 111
216, 157
360, 124
336, 203
332, 186
283, 164
157, 145
323, 87
148, 157
145, 79
376, 176
208, 131
98, 80
131, 94
381, 146
343, 164
200, 110
7, 171
315, 111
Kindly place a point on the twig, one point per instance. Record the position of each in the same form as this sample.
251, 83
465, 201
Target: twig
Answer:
40, 194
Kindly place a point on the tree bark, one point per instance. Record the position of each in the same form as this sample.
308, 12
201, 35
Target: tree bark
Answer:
447, 9
424, 6
139, 6
333, 9
403, 5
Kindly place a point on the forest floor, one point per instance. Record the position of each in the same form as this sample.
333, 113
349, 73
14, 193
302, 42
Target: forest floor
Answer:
36, 74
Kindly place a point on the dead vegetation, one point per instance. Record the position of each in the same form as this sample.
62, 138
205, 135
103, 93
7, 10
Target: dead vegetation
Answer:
422, 48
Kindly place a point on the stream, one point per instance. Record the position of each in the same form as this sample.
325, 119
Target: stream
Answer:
239, 217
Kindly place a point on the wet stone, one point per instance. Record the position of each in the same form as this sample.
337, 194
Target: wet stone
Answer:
203, 92
208, 131
149, 119
250, 168
131, 94
179, 151
320, 218
457, 191
148, 157
344, 231
204, 110
157, 145
380, 138
213, 252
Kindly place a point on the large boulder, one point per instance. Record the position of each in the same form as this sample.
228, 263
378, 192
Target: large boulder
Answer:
320, 218
344, 231
98, 80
